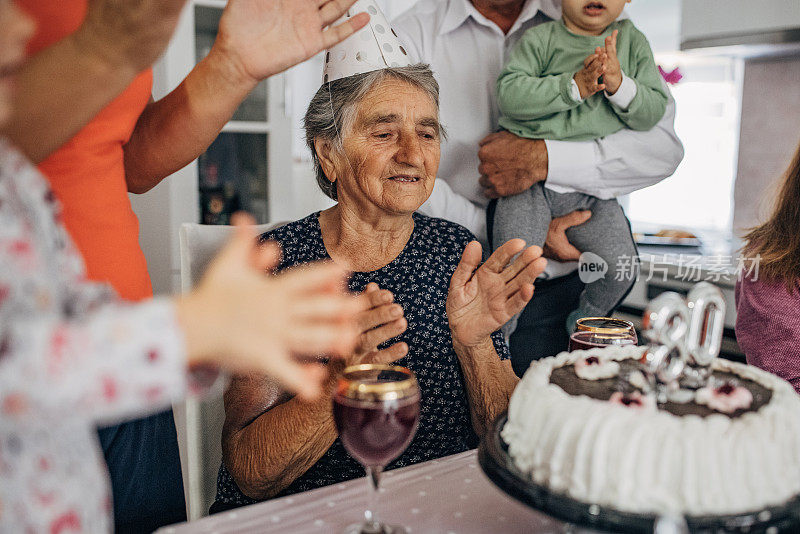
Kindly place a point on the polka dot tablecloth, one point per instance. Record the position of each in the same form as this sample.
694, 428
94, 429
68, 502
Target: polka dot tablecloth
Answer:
446, 496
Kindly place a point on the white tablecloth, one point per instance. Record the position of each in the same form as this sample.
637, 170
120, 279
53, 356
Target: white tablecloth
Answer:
446, 496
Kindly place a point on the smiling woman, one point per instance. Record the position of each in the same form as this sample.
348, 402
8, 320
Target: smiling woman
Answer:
332, 110
376, 138
388, 159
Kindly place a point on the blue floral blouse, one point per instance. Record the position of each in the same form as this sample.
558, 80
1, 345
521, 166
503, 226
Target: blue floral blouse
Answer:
419, 278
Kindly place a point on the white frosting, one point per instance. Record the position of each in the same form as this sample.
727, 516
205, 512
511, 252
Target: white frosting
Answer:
739, 398
604, 368
655, 462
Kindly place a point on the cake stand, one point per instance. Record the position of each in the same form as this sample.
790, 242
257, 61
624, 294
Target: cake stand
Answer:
499, 467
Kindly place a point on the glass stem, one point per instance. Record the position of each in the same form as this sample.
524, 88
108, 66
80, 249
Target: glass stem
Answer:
371, 523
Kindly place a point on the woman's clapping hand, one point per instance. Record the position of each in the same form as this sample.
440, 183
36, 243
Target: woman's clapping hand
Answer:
243, 320
382, 321
483, 298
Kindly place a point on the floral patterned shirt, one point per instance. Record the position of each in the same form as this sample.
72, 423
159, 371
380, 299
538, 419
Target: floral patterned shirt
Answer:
71, 356
419, 278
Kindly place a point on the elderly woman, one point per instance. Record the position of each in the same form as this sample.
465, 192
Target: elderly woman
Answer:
380, 170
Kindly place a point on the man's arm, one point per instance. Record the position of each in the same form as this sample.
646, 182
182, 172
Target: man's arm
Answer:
256, 40
619, 164
613, 166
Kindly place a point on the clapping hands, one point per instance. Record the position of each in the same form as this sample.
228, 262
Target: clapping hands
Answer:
483, 298
612, 78
381, 321
604, 64
242, 320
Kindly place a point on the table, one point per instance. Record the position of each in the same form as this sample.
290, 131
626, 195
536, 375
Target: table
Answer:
450, 495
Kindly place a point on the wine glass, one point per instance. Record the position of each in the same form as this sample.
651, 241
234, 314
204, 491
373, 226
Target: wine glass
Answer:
598, 332
376, 410
606, 325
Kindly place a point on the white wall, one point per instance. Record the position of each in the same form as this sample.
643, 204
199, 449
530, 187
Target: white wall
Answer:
660, 21
768, 137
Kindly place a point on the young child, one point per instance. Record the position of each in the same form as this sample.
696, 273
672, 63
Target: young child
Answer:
580, 78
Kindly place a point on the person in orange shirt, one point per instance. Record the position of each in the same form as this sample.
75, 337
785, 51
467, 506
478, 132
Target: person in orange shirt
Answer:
84, 113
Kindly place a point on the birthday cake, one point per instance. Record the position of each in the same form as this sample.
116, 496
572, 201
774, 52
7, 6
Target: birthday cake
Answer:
586, 424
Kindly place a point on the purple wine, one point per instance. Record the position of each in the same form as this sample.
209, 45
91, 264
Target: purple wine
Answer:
590, 340
376, 432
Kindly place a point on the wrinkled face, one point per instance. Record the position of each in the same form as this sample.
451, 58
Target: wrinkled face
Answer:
16, 29
391, 151
591, 16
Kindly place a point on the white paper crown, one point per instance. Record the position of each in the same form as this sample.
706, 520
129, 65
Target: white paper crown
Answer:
374, 47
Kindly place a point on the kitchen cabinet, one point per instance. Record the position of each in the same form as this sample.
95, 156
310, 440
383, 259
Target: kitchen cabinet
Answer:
742, 27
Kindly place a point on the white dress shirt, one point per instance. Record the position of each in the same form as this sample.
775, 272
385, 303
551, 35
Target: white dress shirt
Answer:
467, 51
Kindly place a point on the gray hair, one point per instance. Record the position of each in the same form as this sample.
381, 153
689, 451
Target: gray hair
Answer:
331, 111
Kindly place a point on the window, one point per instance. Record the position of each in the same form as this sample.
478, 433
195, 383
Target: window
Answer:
699, 196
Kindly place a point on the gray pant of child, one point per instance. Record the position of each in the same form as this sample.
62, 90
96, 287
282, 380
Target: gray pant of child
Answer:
607, 234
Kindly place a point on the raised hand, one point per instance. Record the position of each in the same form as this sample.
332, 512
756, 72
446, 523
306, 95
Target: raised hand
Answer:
382, 321
246, 321
483, 298
128, 33
588, 78
613, 74
265, 37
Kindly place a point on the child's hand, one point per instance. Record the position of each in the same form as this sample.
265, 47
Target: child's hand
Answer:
613, 75
588, 78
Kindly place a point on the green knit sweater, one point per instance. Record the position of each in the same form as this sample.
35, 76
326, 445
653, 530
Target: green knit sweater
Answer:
534, 95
